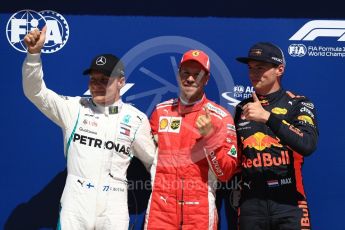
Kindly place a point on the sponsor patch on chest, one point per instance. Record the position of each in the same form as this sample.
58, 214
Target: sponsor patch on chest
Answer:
170, 124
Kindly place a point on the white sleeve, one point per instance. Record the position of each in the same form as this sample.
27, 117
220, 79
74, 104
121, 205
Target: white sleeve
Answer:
48, 102
144, 146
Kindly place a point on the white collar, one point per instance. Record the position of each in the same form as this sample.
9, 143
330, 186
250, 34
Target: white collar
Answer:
192, 103
114, 108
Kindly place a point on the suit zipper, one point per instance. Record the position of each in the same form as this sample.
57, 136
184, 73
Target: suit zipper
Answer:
181, 202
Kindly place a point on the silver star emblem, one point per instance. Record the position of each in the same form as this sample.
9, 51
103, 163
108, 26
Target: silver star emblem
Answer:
101, 60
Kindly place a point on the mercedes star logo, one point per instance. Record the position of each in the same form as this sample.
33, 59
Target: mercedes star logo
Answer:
101, 60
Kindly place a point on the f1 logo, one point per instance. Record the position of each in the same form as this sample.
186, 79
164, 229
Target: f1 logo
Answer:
320, 28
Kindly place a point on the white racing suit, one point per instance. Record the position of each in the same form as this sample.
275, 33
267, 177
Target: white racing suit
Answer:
99, 145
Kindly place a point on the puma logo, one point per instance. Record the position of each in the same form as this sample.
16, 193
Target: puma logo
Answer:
163, 198
247, 184
81, 183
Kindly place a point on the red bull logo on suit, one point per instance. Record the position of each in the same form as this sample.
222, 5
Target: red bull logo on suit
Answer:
260, 141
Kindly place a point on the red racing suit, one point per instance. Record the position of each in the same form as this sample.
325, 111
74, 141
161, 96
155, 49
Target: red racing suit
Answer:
187, 166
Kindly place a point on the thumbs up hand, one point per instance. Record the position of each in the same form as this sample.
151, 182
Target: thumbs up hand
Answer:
255, 98
253, 111
34, 40
204, 123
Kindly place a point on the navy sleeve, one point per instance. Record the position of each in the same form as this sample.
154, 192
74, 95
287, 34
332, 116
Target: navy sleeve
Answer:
299, 130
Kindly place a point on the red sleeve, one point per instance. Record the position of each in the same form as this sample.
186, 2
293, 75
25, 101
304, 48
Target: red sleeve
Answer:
221, 148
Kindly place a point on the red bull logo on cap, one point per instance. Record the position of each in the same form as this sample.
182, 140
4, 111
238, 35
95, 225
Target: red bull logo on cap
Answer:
260, 141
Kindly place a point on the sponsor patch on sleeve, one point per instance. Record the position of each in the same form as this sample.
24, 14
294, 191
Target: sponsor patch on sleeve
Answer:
306, 119
232, 152
216, 110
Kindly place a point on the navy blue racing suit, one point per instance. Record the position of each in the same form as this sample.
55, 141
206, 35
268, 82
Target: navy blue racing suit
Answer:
273, 153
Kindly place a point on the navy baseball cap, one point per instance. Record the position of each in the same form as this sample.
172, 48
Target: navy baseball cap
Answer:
108, 64
264, 52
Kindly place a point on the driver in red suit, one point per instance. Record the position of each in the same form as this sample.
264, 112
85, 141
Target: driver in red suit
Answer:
196, 148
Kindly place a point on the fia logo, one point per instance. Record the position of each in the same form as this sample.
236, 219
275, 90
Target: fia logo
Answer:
24, 21
239, 91
297, 50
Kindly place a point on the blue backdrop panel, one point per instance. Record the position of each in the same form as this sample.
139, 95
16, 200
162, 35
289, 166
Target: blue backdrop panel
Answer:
32, 162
